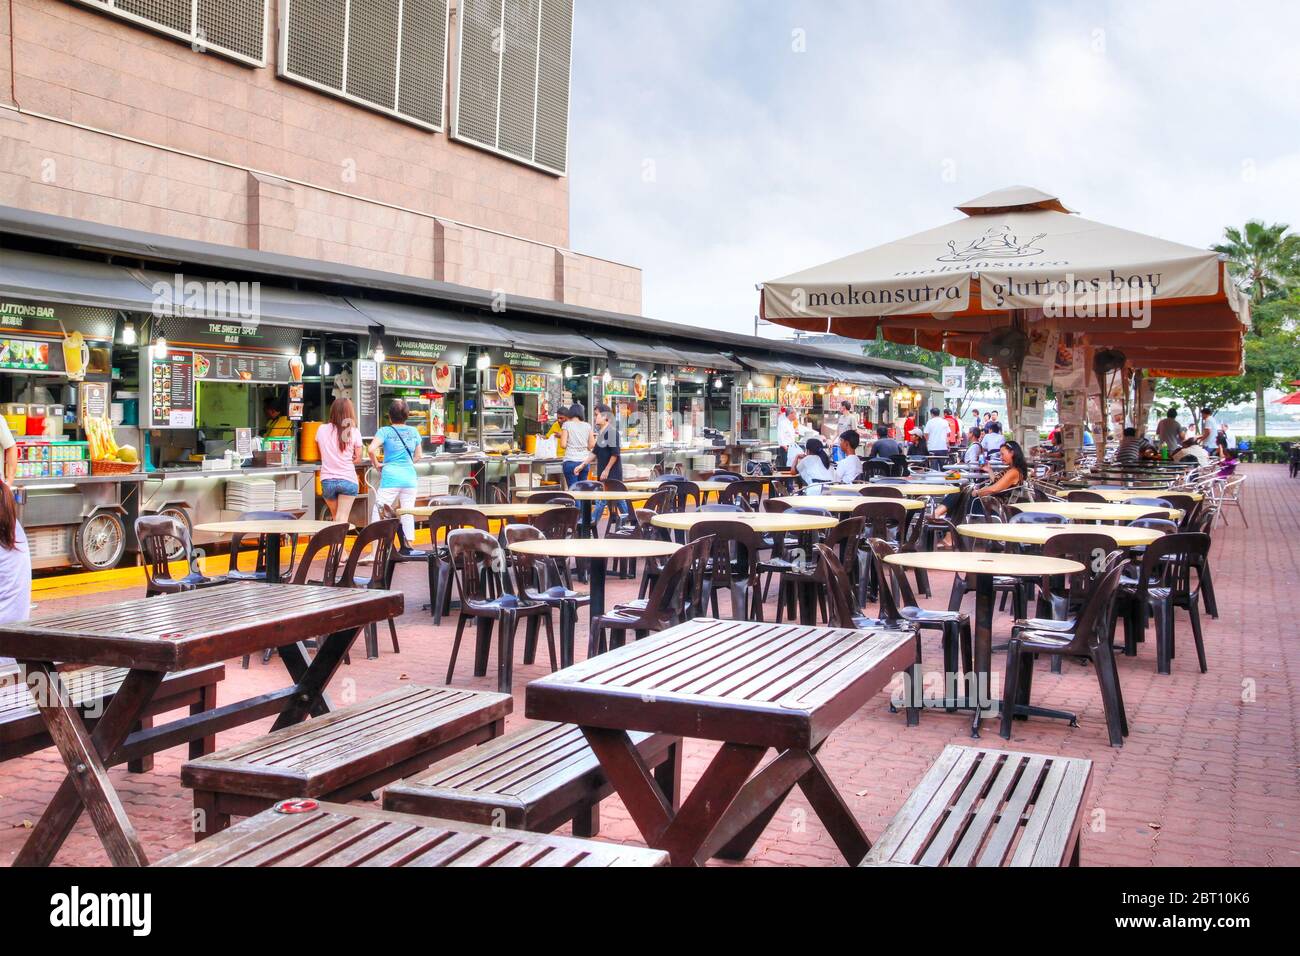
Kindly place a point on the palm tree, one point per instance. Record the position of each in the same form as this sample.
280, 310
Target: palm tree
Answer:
1265, 260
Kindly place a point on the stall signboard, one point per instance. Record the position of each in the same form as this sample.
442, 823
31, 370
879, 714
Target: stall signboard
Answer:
760, 395
511, 380
55, 320
243, 335
171, 390
523, 361
92, 400
403, 348
628, 380
242, 367
25, 355
800, 397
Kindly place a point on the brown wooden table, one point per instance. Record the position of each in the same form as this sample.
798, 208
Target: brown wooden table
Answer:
754, 687
161, 635
303, 833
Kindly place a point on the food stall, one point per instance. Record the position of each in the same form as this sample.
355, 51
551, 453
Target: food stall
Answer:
56, 372
757, 410
629, 388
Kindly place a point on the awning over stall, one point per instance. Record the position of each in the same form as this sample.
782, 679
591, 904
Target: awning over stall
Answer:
28, 275
438, 325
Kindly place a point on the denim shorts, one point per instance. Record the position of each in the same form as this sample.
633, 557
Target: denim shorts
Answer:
331, 488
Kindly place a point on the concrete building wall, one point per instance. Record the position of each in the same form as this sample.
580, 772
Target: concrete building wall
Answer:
115, 124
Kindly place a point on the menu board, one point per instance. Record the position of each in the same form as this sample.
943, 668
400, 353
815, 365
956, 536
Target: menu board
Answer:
171, 403
241, 367
92, 400
760, 396
524, 382
367, 397
21, 355
438, 377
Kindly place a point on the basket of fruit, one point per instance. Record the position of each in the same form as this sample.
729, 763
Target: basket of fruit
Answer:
107, 457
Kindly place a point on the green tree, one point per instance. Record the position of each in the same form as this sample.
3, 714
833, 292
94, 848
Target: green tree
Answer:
978, 375
1265, 260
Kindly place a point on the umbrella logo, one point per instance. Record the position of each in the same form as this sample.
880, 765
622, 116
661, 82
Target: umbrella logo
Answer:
997, 243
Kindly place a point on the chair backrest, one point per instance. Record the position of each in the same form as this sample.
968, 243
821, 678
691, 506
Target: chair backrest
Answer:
1093, 625
157, 534
1171, 559
735, 548
477, 562
678, 581
887, 574
772, 506
661, 502
556, 523
839, 589
900, 464
727, 476
845, 537
1086, 497
881, 490
329, 541
388, 514
1152, 502
529, 569
237, 539
881, 517
1155, 524
877, 468
688, 491
1090, 548
729, 506
748, 492
586, 485
450, 519
613, 484
1034, 517
380, 535
551, 498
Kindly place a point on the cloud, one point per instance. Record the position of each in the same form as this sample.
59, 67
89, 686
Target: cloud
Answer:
707, 149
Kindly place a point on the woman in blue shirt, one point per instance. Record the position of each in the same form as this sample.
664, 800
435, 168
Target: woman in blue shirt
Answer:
402, 448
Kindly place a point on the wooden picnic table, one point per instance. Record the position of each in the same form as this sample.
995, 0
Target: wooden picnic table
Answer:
273, 529
161, 635
752, 686
981, 568
305, 833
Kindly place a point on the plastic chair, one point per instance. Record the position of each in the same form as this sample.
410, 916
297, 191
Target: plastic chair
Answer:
154, 532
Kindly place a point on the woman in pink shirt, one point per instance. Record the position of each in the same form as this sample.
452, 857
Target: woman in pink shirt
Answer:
340, 453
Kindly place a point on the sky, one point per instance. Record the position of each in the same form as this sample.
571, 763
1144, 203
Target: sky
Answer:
719, 143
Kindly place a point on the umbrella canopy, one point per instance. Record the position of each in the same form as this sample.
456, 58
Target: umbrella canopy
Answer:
1292, 399
1171, 308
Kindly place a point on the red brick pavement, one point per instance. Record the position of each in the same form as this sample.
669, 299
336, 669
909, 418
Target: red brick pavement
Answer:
1208, 777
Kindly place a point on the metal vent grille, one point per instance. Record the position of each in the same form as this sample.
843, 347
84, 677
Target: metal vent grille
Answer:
513, 79
233, 28
387, 55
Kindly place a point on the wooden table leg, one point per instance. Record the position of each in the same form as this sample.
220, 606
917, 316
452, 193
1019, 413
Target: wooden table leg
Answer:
834, 813
982, 679
632, 780
87, 785
313, 676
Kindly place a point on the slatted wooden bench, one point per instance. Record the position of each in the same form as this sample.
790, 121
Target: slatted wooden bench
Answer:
979, 807
22, 731
537, 778
343, 754
328, 835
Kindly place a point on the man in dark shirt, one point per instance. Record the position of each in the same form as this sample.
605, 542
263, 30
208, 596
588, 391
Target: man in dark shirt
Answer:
885, 447
1129, 451
608, 456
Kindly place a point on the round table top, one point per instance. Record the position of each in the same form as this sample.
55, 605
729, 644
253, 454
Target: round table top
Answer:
653, 485
281, 527
1124, 536
596, 547
515, 510
845, 503
982, 562
1121, 495
919, 489
1082, 511
587, 495
762, 521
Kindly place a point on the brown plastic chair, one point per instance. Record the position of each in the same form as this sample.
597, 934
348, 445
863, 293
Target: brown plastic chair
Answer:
733, 566
441, 524
539, 578
746, 492
378, 536
161, 536
478, 563
1089, 639
843, 541
666, 606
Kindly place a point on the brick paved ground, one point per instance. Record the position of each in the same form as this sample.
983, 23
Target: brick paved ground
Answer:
1209, 775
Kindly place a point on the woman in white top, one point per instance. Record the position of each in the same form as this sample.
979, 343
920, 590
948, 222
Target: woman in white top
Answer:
814, 466
579, 439
15, 565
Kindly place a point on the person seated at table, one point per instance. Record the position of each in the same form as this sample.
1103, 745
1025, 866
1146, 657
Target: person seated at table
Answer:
1013, 476
15, 565
849, 468
885, 447
1192, 448
975, 453
814, 466
1229, 467
1129, 451
993, 439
